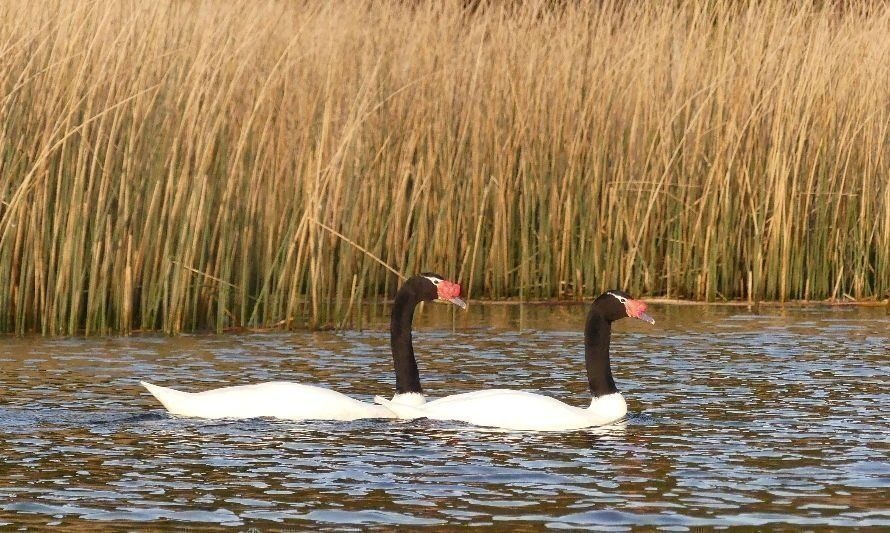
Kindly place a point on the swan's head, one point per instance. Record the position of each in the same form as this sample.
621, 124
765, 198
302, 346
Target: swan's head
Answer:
433, 287
616, 305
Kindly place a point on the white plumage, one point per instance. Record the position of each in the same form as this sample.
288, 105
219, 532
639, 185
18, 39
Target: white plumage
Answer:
277, 399
517, 410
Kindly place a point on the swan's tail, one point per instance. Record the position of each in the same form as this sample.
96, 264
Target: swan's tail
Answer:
403, 411
171, 399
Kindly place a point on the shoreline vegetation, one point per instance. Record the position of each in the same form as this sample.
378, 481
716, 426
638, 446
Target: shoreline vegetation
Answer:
660, 300
201, 165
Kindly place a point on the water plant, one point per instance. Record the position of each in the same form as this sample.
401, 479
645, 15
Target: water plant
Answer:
183, 165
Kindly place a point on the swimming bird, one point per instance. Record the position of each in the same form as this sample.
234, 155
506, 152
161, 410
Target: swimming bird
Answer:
519, 410
296, 401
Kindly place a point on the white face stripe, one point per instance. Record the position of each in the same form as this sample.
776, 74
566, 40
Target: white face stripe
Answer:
435, 280
620, 298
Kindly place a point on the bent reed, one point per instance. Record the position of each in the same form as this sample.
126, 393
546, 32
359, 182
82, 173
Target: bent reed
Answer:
178, 165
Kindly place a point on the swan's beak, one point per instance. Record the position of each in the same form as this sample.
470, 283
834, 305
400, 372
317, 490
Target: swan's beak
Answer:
456, 301
646, 318
637, 309
450, 292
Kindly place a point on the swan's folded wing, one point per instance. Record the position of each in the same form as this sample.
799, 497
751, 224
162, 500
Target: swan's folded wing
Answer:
276, 399
401, 410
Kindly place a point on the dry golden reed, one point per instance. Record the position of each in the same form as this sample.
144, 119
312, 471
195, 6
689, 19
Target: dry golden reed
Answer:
170, 164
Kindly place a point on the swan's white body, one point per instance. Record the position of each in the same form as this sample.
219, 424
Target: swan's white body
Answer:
276, 399
517, 410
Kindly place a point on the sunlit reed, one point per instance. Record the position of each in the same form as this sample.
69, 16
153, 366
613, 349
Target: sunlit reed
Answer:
166, 164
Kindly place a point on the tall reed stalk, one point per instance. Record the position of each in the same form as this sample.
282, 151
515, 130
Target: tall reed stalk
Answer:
171, 165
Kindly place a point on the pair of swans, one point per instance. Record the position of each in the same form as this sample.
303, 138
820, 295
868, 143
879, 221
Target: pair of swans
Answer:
499, 408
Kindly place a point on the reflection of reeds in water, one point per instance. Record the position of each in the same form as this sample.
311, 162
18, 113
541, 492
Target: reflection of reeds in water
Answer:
161, 162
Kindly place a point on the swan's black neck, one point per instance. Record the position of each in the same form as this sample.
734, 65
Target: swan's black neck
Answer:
407, 376
596, 353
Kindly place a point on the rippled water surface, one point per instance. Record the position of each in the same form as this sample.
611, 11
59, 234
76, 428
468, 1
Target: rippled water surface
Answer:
736, 417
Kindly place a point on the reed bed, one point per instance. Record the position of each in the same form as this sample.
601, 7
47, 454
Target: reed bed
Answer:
182, 165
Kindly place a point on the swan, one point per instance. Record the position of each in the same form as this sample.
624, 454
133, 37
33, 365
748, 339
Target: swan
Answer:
295, 401
518, 410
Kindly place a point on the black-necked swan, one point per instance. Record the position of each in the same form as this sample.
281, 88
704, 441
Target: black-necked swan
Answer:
518, 410
295, 401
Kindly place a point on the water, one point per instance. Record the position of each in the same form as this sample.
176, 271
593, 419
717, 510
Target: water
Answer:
735, 418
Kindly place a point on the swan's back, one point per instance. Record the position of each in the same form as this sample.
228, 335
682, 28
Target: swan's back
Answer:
519, 410
276, 399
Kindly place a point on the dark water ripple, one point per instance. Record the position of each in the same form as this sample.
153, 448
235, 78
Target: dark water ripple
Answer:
736, 418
